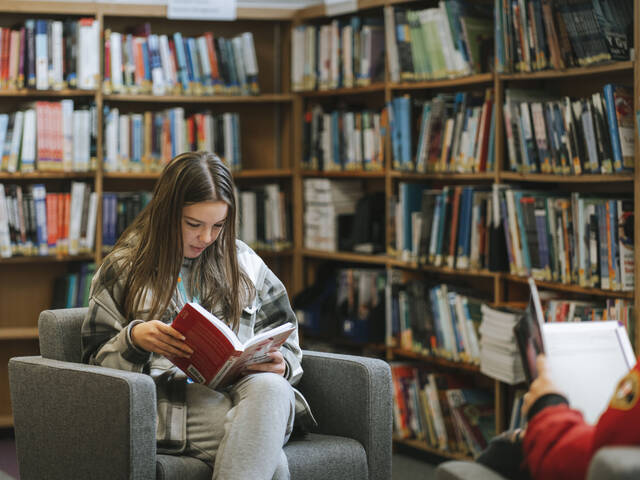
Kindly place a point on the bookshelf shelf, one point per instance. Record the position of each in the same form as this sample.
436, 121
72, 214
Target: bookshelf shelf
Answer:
397, 263
421, 445
560, 287
337, 92
431, 359
39, 259
272, 173
274, 253
346, 257
6, 421
482, 79
343, 174
52, 7
26, 333
45, 175
66, 93
160, 11
466, 177
201, 99
552, 178
614, 67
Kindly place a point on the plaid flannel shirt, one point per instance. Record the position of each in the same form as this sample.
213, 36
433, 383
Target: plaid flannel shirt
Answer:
106, 340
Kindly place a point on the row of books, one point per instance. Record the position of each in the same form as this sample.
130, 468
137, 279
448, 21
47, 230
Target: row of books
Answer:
48, 54
146, 63
345, 139
453, 39
539, 34
447, 227
360, 303
342, 54
263, 218
146, 141
36, 222
49, 136
119, 209
445, 411
455, 133
329, 207
570, 136
71, 290
499, 357
574, 239
433, 320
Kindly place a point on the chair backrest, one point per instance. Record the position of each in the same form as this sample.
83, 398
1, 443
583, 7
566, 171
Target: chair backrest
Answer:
59, 332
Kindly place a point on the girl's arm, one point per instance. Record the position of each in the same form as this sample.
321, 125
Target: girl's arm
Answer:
106, 335
275, 310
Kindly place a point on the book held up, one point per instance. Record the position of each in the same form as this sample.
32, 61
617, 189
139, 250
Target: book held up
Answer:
219, 356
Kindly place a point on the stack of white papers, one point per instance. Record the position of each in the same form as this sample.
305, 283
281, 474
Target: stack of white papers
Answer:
499, 356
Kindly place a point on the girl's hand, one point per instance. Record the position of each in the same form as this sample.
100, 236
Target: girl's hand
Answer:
277, 364
542, 385
155, 336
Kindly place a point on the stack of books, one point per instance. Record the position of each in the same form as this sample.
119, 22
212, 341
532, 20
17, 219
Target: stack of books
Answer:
499, 357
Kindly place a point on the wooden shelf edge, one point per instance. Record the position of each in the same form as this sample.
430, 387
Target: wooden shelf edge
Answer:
378, 87
422, 445
570, 72
48, 7
478, 79
553, 178
570, 288
24, 92
18, 333
205, 99
402, 175
47, 259
6, 421
45, 175
443, 362
346, 256
344, 173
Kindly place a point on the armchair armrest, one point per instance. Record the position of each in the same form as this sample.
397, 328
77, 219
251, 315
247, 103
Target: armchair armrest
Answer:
463, 470
618, 463
67, 413
351, 397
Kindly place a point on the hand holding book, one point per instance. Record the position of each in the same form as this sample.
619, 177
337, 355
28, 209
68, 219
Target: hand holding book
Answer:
158, 337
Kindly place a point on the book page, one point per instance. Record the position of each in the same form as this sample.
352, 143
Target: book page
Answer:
586, 360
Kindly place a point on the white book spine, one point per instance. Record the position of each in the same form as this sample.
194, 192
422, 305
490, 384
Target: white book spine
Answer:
28, 151
5, 239
75, 216
116, 62
91, 222
123, 142
57, 80
67, 135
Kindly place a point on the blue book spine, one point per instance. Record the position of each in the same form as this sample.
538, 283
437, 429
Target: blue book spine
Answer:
146, 60
183, 75
405, 133
526, 259
237, 158
463, 224
394, 117
189, 59
507, 234
444, 214
193, 50
72, 289
468, 218
612, 121
335, 140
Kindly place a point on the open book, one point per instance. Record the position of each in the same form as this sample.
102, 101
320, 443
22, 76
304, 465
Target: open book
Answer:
585, 360
218, 355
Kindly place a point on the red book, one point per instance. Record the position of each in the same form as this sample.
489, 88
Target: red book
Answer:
218, 355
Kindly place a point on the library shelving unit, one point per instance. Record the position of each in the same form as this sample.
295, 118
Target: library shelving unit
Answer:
499, 288
26, 283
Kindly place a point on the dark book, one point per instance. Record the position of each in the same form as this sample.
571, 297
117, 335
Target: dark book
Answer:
403, 40
529, 336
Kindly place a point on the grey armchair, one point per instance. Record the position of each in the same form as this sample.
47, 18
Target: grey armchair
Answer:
76, 421
611, 463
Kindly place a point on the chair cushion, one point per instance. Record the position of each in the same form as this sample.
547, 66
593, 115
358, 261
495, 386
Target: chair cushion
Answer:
312, 457
325, 457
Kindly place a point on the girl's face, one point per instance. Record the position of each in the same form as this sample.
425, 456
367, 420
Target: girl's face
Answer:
201, 224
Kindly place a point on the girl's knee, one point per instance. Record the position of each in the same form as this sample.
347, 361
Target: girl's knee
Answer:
270, 385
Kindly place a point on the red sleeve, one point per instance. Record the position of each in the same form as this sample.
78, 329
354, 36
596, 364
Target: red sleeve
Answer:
559, 445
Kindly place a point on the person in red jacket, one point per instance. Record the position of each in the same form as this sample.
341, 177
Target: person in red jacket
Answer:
558, 444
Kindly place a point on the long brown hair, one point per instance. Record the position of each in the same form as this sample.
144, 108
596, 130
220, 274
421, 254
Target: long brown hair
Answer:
152, 248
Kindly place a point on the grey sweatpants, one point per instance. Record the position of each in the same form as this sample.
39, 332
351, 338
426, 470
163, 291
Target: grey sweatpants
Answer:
241, 432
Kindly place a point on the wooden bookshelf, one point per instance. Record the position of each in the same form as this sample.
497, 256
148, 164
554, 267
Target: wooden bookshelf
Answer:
26, 283
503, 287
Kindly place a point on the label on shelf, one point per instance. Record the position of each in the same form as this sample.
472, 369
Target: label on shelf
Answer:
202, 9
339, 7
